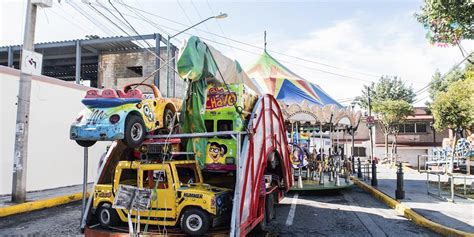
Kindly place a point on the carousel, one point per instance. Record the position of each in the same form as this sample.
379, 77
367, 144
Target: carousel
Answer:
321, 154
319, 129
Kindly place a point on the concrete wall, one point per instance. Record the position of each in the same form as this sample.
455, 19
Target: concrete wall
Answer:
53, 159
113, 71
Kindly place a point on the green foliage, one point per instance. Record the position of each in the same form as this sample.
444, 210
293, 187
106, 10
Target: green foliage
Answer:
438, 84
391, 113
454, 109
387, 88
447, 21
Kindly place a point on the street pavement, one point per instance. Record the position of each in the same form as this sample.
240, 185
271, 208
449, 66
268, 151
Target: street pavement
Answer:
5, 200
351, 212
458, 215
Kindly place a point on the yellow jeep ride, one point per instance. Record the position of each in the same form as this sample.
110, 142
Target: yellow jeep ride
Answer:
179, 197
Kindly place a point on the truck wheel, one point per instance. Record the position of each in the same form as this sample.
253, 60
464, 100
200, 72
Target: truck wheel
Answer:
134, 131
107, 216
85, 143
167, 119
195, 221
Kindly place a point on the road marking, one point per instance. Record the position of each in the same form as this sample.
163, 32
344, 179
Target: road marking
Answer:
291, 214
366, 220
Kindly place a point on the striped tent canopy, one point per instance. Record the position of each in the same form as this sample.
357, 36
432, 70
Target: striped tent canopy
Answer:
274, 78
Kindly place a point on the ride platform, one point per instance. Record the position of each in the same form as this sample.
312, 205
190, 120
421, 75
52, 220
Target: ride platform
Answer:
314, 185
122, 231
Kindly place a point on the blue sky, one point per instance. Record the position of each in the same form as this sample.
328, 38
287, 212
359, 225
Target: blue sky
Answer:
371, 37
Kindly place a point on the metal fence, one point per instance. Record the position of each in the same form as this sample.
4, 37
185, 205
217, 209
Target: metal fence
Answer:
366, 170
450, 187
439, 163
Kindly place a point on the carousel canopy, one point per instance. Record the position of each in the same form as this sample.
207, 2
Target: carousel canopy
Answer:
274, 78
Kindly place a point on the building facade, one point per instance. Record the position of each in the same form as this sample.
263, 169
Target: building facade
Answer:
104, 62
416, 137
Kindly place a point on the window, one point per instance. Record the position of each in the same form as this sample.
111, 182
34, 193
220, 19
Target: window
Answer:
359, 152
128, 177
152, 178
224, 125
413, 128
409, 128
421, 127
187, 173
136, 71
209, 125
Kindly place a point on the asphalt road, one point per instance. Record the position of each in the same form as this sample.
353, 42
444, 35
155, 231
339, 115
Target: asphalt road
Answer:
351, 212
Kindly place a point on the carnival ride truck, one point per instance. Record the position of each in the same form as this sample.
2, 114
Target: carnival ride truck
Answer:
262, 172
179, 196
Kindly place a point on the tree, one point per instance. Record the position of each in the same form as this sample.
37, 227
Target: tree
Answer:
454, 109
387, 88
386, 95
390, 114
447, 21
439, 83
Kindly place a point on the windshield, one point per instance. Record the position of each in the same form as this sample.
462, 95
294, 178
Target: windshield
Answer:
187, 173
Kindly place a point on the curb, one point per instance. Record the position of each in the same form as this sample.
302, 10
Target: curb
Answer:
40, 204
409, 213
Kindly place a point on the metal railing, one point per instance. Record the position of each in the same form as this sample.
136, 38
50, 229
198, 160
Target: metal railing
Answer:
450, 187
439, 163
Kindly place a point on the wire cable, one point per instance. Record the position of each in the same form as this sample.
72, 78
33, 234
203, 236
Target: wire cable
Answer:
257, 47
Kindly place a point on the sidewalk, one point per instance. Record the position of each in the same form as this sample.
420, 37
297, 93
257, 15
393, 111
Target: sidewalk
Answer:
36, 200
459, 215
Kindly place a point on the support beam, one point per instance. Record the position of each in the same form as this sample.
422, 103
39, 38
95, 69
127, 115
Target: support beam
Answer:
10, 57
173, 63
78, 62
91, 49
157, 60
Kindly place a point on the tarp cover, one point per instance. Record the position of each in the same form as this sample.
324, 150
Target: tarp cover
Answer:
274, 78
199, 63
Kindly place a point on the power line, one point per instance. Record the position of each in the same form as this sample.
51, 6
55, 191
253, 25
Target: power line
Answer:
220, 27
425, 88
187, 17
254, 46
255, 53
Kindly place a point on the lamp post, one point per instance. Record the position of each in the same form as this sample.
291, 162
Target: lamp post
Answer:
352, 131
168, 44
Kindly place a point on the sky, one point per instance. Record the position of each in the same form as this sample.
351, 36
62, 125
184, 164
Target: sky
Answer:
339, 45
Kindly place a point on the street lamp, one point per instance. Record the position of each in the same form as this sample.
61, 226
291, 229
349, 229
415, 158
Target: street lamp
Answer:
220, 16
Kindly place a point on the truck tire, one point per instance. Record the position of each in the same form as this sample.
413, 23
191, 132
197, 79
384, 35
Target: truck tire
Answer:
85, 143
134, 131
195, 221
107, 216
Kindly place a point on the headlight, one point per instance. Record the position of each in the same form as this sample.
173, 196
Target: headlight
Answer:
114, 118
143, 148
213, 203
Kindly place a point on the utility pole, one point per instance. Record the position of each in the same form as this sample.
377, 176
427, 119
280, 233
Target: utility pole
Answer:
23, 113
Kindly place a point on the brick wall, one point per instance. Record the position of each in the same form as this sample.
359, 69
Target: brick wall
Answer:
119, 69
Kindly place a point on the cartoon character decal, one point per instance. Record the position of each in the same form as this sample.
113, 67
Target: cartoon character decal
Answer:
216, 152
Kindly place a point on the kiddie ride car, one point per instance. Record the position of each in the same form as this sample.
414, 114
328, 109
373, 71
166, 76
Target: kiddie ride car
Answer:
121, 115
179, 196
